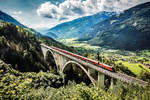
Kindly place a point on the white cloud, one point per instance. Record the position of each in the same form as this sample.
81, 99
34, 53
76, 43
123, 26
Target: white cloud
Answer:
44, 24
121, 5
69, 9
17, 12
72, 9
16, 15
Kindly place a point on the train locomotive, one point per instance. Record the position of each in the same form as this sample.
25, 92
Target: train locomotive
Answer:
107, 67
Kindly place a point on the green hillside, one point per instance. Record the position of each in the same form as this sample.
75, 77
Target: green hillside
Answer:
76, 28
25, 75
16, 42
129, 30
7, 18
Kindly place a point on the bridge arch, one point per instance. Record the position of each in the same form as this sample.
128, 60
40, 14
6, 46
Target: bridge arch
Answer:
52, 56
85, 71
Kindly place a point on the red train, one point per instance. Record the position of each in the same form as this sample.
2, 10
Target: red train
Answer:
86, 59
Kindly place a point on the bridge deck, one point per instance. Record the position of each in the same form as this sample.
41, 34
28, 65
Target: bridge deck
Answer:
116, 75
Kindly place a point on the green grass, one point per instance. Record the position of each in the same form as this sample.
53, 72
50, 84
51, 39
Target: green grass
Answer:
147, 62
146, 52
73, 42
134, 67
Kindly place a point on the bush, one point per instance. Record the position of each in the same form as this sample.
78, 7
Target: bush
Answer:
15, 84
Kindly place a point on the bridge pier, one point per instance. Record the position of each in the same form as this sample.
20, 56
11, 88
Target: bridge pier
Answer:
44, 50
101, 80
111, 83
60, 60
89, 71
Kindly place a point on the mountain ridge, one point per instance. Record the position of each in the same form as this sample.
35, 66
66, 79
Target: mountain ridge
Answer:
128, 30
75, 28
7, 18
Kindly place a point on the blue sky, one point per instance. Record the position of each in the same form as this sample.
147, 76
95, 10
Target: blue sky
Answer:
39, 14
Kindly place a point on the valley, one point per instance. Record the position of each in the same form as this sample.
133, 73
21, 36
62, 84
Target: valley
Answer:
100, 56
135, 61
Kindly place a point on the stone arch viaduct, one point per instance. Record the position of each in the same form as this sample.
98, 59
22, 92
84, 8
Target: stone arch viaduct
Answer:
62, 60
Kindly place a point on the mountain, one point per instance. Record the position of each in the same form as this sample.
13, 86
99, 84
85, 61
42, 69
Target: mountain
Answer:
77, 27
7, 18
50, 34
129, 30
22, 65
18, 43
23, 43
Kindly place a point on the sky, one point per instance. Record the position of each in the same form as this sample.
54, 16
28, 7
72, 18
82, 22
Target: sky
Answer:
43, 14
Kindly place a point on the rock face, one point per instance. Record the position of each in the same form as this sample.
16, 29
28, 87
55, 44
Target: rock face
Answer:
129, 30
78, 27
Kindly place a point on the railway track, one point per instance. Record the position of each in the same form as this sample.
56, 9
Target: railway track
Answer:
131, 79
